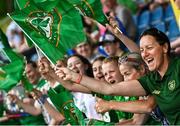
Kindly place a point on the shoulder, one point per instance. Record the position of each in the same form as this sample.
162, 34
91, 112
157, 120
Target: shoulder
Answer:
175, 62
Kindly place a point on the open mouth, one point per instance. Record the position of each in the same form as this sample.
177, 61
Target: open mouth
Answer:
100, 77
76, 70
149, 60
112, 81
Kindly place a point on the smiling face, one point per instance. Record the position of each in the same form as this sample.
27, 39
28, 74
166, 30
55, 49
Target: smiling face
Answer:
110, 48
129, 73
32, 74
97, 70
153, 53
76, 65
111, 73
84, 49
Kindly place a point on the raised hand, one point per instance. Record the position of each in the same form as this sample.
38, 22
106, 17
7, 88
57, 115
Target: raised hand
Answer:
13, 98
102, 106
44, 65
113, 27
64, 73
45, 69
36, 94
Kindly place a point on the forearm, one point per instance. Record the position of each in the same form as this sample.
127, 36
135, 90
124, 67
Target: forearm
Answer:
125, 88
73, 86
93, 84
131, 45
130, 106
29, 108
2, 119
176, 43
137, 119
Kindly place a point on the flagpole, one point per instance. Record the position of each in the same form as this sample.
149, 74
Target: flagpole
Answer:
31, 40
40, 55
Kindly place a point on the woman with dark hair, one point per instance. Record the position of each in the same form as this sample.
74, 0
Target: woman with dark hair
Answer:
88, 68
81, 95
163, 81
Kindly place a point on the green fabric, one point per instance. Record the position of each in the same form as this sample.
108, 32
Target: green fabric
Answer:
11, 73
166, 90
58, 89
90, 8
124, 115
11, 122
26, 84
152, 121
63, 101
40, 84
52, 26
32, 120
20, 4
113, 115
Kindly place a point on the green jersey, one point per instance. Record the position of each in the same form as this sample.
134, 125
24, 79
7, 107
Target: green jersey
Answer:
124, 115
113, 115
166, 90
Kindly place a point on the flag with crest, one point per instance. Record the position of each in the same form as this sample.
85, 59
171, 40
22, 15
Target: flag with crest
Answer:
90, 8
54, 27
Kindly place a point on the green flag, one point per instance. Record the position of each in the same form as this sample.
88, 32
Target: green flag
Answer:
90, 8
18, 5
10, 74
26, 84
54, 27
66, 106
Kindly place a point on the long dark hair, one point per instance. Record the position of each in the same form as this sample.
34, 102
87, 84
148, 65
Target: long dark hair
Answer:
160, 37
89, 71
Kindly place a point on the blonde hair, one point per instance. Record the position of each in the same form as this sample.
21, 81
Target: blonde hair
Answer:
132, 59
111, 59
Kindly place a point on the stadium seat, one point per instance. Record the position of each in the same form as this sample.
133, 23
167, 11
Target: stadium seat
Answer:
160, 26
156, 16
173, 30
135, 18
169, 15
143, 20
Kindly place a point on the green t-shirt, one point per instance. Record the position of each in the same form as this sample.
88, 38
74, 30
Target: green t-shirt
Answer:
124, 115
166, 90
40, 84
113, 115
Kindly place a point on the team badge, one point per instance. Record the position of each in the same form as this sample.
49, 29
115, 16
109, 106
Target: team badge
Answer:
46, 23
172, 85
